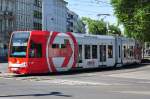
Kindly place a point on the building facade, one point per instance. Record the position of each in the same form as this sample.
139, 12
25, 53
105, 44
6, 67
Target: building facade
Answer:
18, 15
54, 15
74, 23
6, 19
28, 14
51, 15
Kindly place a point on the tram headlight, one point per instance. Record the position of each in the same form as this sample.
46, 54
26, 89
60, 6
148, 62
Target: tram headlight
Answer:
24, 64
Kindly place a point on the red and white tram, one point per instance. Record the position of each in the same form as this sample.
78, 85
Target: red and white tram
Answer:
42, 51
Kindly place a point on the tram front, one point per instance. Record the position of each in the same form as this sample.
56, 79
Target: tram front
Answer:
17, 57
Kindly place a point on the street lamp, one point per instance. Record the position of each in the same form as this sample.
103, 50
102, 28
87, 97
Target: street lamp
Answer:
103, 15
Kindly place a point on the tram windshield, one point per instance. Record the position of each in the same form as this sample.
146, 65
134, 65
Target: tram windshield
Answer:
19, 42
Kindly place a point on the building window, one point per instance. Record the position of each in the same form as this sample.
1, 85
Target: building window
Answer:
37, 26
71, 24
38, 3
87, 52
94, 51
37, 14
71, 16
110, 51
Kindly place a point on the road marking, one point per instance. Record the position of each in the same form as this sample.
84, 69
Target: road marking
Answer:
145, 82
135, 92
145, 75
73, 82
56, 81
6, 74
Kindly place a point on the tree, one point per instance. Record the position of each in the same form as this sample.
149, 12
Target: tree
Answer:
95, 26
135, 16
80, 26
114, 30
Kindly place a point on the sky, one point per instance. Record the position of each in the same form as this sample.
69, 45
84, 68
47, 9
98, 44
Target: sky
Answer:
91, 8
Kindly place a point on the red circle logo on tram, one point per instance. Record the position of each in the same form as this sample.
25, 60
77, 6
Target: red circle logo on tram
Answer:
66, 52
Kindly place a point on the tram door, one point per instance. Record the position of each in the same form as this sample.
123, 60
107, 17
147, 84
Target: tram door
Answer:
35, 57
102, 52
120, 49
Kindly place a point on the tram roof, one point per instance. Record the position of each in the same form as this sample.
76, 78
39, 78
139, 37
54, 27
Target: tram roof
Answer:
90, 36
93, 36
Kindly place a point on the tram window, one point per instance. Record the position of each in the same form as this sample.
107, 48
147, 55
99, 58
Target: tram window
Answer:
128, 52
131, 51
110, 51
94, 51
119, 52
35, 50
55, 45
80, 54
87, 52
124, 51
102, 53
63, 46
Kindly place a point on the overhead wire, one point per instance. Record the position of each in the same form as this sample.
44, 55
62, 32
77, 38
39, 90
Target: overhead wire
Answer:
90, 3
86, 11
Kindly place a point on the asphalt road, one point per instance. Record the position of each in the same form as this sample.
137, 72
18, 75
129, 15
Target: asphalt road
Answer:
132, 82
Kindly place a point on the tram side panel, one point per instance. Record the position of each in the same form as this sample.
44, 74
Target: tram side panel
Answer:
62, 51
110, 52
98, 52
89, 52
55, 52
125, 51
37, 52
138, 52
130, 51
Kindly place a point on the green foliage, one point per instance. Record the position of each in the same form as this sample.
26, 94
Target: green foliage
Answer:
100, 27
95, 26
114, 30
135, 16
81, 26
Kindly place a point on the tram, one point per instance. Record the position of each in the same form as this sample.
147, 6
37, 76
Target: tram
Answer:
34, 52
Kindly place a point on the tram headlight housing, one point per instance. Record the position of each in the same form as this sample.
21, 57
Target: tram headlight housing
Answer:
15, 65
